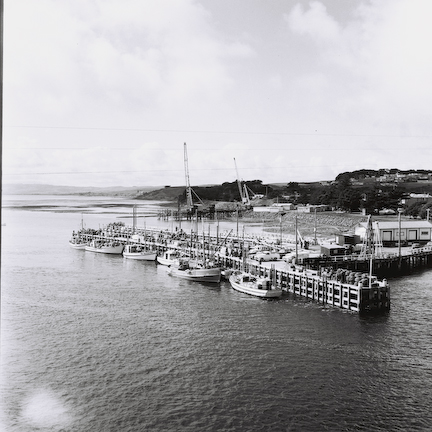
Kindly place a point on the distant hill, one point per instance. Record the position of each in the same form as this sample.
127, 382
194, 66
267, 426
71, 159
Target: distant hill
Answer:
41, 189
415, 181
168, 193
387, 174
227, 192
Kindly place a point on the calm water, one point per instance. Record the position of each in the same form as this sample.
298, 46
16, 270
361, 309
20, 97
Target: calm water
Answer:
98, 343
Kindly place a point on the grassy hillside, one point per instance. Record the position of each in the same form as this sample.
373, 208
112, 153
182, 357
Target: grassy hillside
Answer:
168, 193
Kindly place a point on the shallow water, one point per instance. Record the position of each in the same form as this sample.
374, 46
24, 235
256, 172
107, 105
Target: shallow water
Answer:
99, 343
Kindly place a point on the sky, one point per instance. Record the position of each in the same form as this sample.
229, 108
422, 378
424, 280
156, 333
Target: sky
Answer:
107, 92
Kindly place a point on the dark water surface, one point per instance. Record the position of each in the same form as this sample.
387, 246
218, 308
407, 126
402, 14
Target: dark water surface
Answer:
99, 343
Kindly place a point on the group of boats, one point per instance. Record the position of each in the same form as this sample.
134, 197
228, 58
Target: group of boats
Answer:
182, 266
130, 251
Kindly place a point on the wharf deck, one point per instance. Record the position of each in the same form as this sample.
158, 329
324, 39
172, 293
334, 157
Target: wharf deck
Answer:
385, 266
297, 280
318, 287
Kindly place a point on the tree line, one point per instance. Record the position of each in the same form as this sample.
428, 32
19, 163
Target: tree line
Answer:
340, 194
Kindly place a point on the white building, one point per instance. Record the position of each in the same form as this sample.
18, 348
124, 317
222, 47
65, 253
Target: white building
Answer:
410, 231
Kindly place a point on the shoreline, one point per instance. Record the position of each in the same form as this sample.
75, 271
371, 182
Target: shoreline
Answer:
322, 225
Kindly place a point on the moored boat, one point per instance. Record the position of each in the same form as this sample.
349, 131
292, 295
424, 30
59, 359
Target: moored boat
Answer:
77, 243
195, 272
106, 247
138, 252
169, 257
253, 285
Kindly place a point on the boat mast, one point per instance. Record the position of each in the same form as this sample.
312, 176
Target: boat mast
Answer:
133, 219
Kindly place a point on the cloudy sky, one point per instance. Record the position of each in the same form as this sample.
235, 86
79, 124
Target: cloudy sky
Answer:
106, 92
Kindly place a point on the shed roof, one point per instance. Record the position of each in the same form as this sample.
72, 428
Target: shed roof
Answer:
403, 224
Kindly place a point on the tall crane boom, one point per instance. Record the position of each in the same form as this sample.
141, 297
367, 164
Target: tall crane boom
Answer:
187, 181
242, 189
238, 181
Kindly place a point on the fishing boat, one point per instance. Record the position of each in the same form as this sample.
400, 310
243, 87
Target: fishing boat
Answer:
169, 257
253, 285
106, 247
138, 252
195, 271
77, 242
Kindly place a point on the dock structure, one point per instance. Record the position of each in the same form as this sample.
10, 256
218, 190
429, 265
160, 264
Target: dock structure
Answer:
386, 265
321, 287
325, 285
196, 213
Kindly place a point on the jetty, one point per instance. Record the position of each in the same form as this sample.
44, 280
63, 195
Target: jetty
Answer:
385, 265
355, 291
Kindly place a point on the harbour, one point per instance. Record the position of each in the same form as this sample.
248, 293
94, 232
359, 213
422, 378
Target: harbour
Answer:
109, 343
338, 281
342, 283
283, 283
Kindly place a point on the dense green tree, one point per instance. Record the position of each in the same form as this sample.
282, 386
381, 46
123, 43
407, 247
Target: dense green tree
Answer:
424, 211
376, 198
414, 209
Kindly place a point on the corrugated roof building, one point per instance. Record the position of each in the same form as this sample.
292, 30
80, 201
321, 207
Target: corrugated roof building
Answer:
409, 232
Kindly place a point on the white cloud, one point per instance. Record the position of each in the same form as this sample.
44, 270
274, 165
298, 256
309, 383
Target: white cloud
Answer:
377, 66
119, 52
315, 22
137, 74
396, 58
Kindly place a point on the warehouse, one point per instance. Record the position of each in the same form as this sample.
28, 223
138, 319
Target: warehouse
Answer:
387, 232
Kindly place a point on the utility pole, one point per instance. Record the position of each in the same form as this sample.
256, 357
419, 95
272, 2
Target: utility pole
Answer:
296, 240
280, 220
315, 227
399, 234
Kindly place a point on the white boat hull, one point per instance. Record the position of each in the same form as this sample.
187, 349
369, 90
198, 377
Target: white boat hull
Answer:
105, 249
252, 288
141, 256
212, 275
138, 252
77, 245
169, 258
165, 261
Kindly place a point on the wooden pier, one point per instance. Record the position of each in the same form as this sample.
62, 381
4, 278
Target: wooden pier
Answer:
319, 284
319, 287
384, 266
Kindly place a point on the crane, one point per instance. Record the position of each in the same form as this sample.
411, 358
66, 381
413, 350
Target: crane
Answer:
189, 199
244, 195
189, 190
371, 243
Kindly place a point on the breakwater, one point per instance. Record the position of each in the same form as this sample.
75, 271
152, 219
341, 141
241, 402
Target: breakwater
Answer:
325, 285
